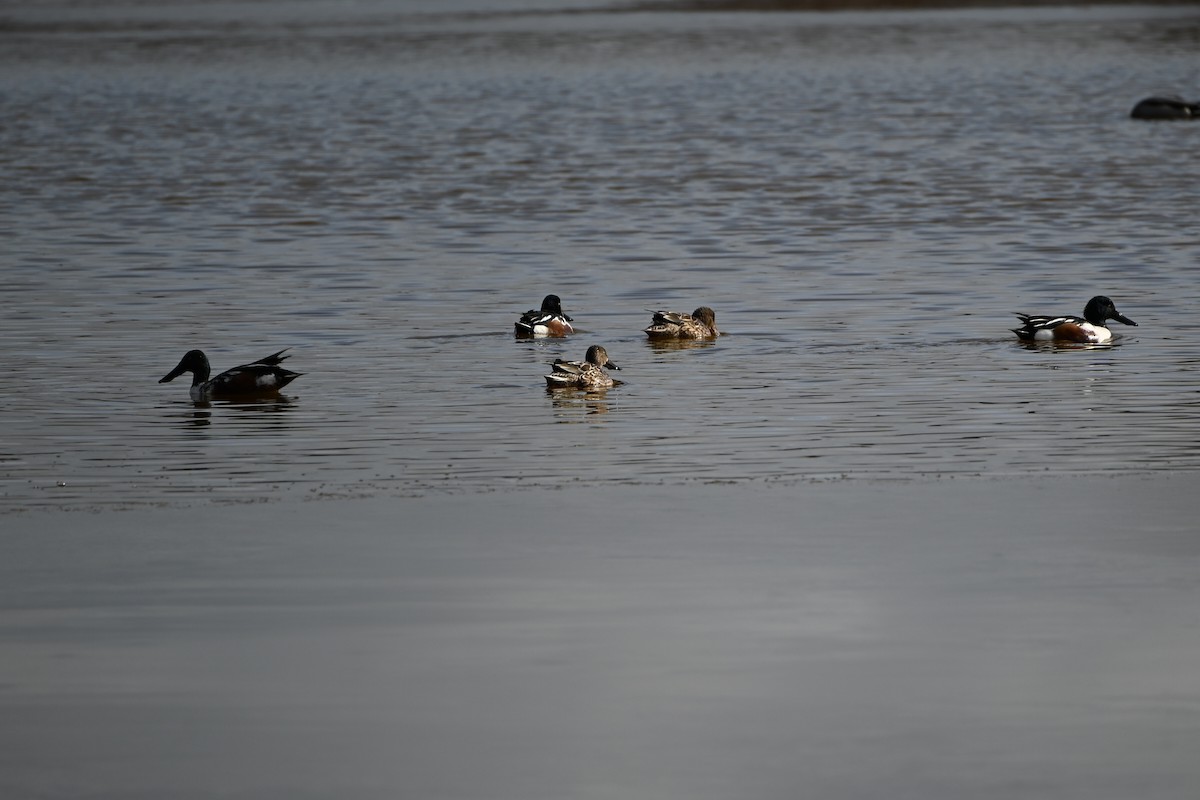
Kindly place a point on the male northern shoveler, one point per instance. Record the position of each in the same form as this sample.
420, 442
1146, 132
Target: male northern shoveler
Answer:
1088, 329
586, 374
259, 378
549, 321
700, 324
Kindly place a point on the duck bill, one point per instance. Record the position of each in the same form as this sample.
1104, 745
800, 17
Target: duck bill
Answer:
173, 374
1124, 320
611, 365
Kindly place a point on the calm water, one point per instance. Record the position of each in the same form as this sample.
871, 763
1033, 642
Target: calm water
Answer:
863, 198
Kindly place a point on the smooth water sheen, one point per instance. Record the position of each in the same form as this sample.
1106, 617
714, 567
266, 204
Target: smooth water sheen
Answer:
864, 198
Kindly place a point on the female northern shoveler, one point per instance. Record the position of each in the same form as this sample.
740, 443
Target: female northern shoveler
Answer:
260, 378
549, 321
700, 324
586, 374
1088, 329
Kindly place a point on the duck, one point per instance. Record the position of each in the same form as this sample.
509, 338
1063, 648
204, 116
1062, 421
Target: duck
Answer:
1088, 329
1167, 106
259, 378
586, 374
700, 324
548, 321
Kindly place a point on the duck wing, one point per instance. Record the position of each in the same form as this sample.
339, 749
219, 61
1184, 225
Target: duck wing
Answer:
569, 367
274, 358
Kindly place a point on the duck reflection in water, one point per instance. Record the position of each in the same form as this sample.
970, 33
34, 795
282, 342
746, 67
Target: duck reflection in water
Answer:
667, 345
266, 413
589, 401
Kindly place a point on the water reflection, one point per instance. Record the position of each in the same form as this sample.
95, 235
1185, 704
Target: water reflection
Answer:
265, 413
279, 404
873, 329
570, 398
1055, 346
198, 418
669, 345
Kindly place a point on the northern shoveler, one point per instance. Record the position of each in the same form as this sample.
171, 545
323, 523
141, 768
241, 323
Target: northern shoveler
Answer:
1088, 329
549, 321
700, 324
586, 374
259, 378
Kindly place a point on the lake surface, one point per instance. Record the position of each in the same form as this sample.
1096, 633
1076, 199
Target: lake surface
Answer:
839, 640
864, 198
829, 555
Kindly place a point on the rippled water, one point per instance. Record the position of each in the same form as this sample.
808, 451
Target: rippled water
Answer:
863, 198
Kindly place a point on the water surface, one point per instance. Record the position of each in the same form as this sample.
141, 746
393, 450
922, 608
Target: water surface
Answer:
863, 197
